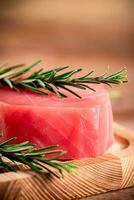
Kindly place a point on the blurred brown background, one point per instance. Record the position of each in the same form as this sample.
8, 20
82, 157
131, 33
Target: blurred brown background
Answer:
88, 34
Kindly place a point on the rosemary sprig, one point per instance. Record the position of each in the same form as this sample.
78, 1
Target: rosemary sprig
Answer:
55, 79
36, 159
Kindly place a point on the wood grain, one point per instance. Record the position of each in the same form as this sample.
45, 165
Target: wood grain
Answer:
112, 171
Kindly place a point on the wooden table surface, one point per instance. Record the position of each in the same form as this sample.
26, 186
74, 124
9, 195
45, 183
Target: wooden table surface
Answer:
124, 194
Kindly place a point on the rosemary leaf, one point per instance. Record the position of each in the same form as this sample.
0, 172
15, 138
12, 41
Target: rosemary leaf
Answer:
35, 159
55, 79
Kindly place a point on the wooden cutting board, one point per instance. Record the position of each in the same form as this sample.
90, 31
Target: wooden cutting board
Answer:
112, 171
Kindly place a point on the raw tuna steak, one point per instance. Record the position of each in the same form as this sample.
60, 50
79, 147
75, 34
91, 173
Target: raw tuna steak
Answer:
83, 127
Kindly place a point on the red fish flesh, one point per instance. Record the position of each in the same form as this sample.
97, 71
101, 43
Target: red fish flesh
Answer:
82, 127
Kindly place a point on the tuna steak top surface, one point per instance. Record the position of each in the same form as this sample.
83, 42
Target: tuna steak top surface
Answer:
82, 127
